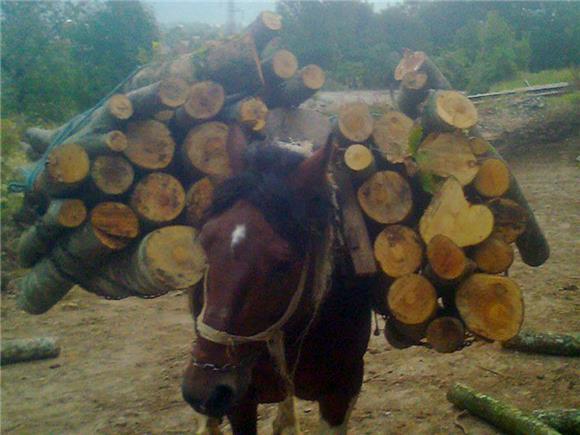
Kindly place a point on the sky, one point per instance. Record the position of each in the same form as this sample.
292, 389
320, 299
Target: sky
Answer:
214, 11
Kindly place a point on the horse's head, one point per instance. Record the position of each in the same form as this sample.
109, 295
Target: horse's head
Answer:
256, 241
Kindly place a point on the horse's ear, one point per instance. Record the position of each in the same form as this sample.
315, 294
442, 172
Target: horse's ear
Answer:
235, 146
312, 171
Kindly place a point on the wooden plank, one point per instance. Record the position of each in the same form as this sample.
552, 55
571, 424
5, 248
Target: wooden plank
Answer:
354, 227
527, 90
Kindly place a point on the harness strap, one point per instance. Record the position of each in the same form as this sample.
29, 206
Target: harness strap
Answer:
269, 334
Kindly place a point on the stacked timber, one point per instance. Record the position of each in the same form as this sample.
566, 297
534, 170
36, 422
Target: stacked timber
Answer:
441, 213
128, 184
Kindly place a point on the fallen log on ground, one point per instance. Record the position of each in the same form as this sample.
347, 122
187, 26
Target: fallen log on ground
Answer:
545, 342
28, 349
504, 416
565, 421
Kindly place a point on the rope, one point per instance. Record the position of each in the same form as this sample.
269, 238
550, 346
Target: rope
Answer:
74, 125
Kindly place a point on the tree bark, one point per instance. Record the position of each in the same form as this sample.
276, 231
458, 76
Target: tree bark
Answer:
150, 145
412, 92
386, 197
96, 144
170, 258
418, 61
545, 342
510, 219
491, 306
398, 250
61, 216
158, 199
28, 349
500, 414
264, 28
566, 421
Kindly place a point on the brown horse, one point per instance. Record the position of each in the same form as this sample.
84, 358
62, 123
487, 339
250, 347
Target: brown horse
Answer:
267, 328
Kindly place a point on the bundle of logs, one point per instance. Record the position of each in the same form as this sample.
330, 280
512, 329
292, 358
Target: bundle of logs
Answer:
126, 189
440, 214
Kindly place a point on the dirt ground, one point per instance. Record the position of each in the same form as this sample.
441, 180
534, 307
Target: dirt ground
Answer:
121, 363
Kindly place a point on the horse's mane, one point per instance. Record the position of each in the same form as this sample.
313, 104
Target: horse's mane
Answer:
264, 184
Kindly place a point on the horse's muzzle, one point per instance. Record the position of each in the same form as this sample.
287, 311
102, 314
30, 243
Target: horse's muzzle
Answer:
217, 404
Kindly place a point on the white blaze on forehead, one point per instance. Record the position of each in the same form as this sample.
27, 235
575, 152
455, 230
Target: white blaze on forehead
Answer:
238, 235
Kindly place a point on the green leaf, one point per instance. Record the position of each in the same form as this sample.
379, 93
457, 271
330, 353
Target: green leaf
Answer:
415, 139
430, 182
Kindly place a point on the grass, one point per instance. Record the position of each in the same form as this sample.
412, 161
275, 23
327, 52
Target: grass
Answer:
539, 78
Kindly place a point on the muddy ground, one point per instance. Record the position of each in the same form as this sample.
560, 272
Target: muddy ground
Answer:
121, 362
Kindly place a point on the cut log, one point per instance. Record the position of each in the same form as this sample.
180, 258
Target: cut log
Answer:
565, 421
67, 166
38, 138
395, 338
386, 197
169, 93
546, 343
205, 150
494, 255
111, 175
412, 300
447, 260
504, 416
446, 334
510, 219
447, 155
234, 63
418, 61
398, 250
355, 123
102, 143
451, 215
205, 101
198, 200
250, 112
391, 135
42, 287
170, 258
412, 93
493, 178
61, 216
158, 199
28, 349
491, 306
294, 91
115, 219
150, 145
297, 125
479, 146
280, 66
264, 28
354, 229
231, 62
164, 116
360, 161
448, 111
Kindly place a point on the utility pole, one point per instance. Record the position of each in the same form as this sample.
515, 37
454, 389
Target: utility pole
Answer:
231, 18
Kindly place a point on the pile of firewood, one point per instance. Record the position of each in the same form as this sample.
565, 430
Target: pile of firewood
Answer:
127, 187
441, 212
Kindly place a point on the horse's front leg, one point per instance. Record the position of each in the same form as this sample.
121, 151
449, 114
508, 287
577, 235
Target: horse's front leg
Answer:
335, 410
244, 418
